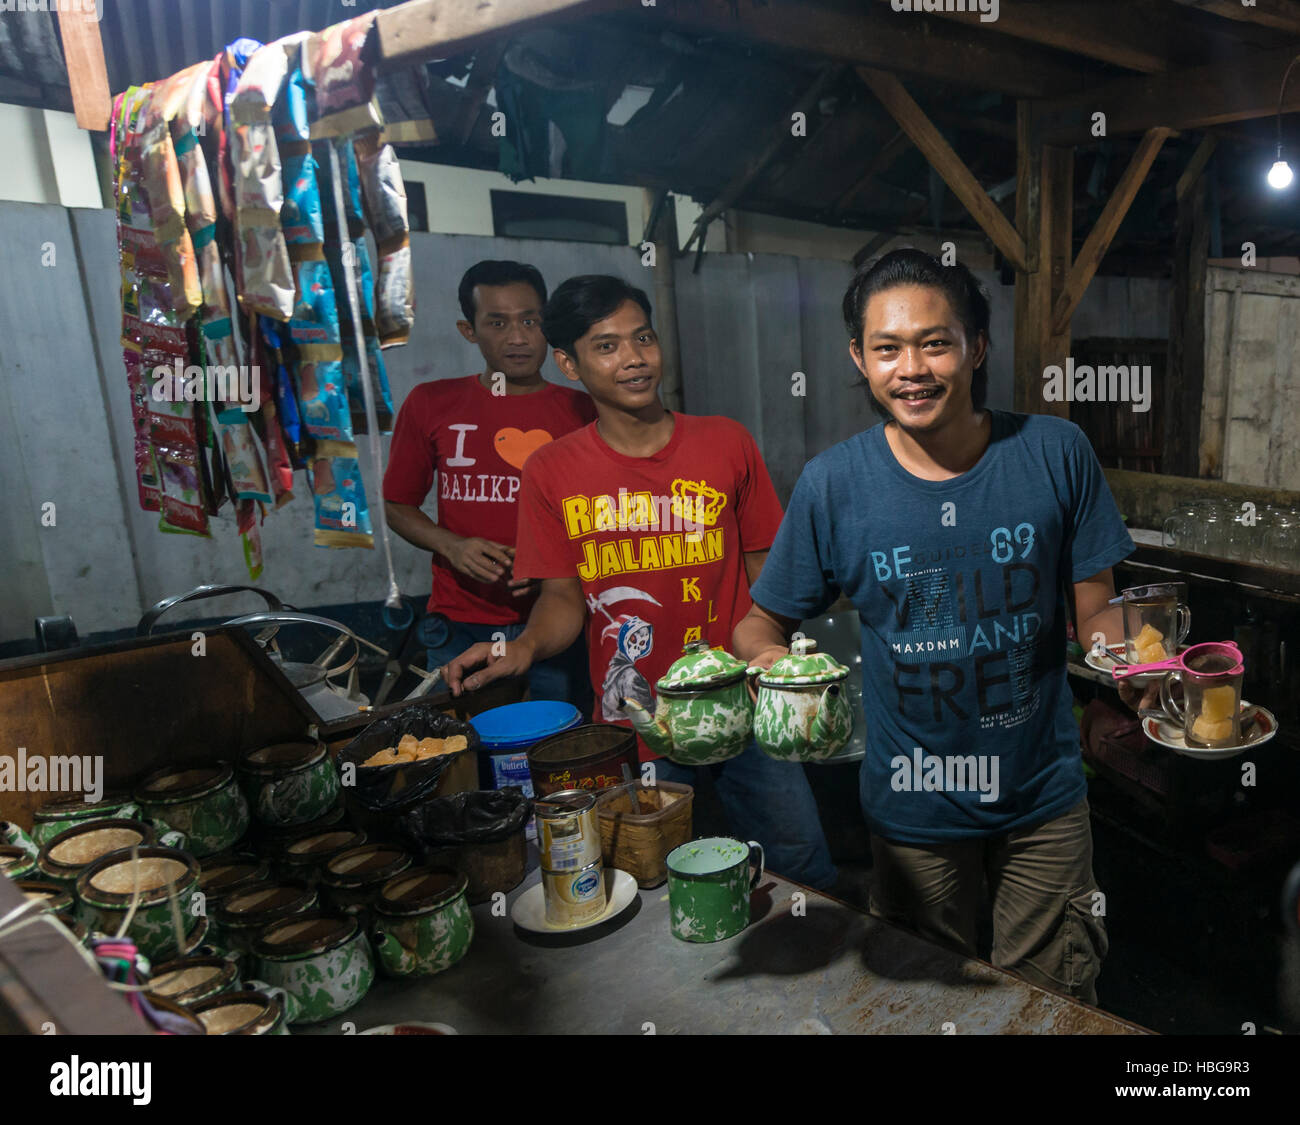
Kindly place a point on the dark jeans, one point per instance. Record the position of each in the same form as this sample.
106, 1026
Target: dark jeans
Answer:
771, 802
563, 677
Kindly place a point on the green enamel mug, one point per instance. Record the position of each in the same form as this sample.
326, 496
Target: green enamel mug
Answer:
709, 882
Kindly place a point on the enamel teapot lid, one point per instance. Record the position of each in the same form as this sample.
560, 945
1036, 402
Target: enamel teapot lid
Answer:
701, 666
804, 665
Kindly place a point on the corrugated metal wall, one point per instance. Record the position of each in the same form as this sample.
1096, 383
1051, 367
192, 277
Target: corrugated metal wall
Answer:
747, 324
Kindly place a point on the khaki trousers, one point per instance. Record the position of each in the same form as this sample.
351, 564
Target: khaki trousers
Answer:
1047, 911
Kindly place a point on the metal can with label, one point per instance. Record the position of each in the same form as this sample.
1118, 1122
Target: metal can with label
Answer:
573, 897
568, 836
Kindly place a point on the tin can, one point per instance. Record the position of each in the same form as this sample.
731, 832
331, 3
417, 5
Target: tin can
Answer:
573, 897
568, 836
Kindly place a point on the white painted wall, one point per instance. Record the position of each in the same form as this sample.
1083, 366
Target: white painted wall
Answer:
47, 158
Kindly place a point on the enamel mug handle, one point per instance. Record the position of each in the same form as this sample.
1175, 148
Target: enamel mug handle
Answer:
287, 1002
755, 846
1171, 706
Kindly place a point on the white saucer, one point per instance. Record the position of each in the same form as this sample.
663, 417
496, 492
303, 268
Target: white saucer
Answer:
1170, 735
1108, 664
391, 1028
529, 909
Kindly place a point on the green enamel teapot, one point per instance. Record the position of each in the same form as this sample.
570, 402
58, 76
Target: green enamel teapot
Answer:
803, 713
703, 710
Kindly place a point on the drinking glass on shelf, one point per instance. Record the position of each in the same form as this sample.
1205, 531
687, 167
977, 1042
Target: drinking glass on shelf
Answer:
1182, 529
1216, 527
1282, 542
1240, 535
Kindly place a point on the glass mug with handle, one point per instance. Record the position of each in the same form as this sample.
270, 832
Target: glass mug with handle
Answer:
1156, 621
1210, 710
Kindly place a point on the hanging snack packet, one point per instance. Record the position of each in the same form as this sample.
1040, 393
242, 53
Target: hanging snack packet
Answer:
342, 519
243, 462
251, 535
385, 203
300, 217
340, 64
183, 508
162, 187
286, 404
266, 280
406, 106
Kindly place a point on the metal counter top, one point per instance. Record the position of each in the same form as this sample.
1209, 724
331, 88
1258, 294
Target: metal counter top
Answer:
830, 969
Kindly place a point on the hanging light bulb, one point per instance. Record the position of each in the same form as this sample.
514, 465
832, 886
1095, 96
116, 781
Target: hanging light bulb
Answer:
1280, 175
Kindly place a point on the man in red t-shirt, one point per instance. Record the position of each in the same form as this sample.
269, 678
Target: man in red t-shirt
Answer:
650, 526
474, 434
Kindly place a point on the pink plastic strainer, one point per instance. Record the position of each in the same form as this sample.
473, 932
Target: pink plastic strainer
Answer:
1179, 663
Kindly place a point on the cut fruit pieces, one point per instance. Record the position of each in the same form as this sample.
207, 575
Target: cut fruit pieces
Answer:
1209, 730
1218, 703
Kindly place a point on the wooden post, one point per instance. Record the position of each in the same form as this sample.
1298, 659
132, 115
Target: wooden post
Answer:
664, 239
87, 75
1185, 368
1044, 220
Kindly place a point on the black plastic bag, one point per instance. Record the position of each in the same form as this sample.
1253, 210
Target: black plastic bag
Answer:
480, 817
384, 788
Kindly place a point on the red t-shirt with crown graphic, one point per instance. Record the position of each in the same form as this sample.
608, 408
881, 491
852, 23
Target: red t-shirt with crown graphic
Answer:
476, 444
658, 543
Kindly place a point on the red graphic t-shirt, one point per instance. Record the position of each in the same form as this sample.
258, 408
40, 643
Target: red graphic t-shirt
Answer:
476, 442
658, 542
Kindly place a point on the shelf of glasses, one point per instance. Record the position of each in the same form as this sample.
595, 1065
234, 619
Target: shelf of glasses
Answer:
1237, 571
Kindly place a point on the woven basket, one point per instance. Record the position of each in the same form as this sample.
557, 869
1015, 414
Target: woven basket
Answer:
639, 843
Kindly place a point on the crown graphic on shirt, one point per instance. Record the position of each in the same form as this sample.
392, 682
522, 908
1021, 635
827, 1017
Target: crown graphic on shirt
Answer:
695, 502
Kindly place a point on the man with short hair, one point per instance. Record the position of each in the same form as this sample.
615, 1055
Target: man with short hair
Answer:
473, 434
955, 531
592, 527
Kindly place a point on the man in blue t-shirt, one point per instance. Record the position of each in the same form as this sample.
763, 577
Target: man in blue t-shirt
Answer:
955, 532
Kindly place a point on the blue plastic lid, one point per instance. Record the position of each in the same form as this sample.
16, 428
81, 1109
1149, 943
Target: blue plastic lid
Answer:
522, 724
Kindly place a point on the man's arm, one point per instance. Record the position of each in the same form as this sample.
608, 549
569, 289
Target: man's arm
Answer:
1094, 617
762, 637
553, 625
480, 559
754, 561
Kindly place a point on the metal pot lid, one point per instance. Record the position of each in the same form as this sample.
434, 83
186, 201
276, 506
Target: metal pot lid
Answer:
701, 666
261, 901
67, 807
420, 889
365, 865
172, 784
306, 934
803, 665
283, 757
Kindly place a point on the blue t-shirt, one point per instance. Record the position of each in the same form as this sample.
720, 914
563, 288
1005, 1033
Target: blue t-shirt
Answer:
959, 587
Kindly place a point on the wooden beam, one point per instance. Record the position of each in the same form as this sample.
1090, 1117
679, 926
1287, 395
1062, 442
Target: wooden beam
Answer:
1282, 15
862, 35
424, 29
883, 157
778, 140
87, 75
1099, 238
1044, 217
1195, 166
1186, 99
912, 119
1123, 35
